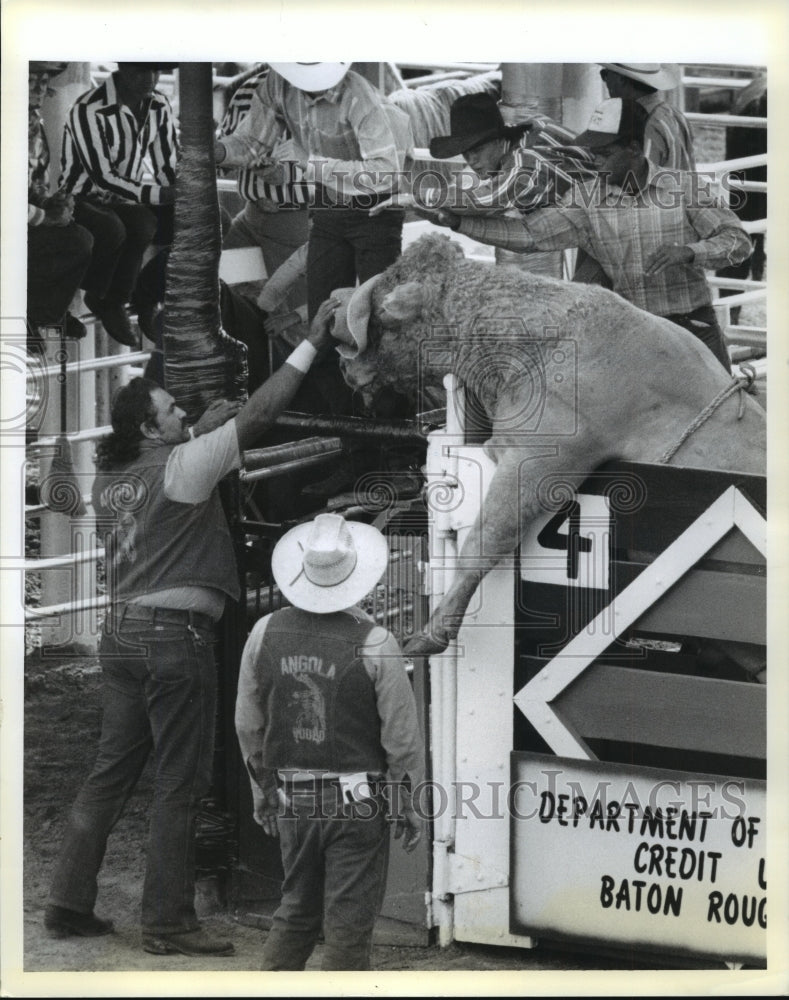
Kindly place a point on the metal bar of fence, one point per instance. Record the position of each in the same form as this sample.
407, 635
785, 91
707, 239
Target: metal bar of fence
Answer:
741, 121
307, 462
53, 562
735, 182
95, 364
418, 81
744, 284
716, 81
278, 454
35, 509
92, 434
746, 336
758, 295
360, 427
440, 66
69, 607
740, 163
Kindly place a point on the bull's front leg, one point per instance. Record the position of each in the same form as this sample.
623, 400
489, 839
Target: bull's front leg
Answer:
513, 500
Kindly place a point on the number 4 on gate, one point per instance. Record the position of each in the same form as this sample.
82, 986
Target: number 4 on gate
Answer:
571, 546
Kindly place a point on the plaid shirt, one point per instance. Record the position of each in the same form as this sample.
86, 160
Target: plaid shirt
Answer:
351, 139
281, 188
667, 138
106, 153
537, 170
622, 231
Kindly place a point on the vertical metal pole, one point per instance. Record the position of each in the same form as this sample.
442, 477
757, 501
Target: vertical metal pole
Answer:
61, 533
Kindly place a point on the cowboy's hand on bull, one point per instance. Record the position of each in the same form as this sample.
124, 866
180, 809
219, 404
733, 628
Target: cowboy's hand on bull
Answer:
320, 327
216, 413
668, 255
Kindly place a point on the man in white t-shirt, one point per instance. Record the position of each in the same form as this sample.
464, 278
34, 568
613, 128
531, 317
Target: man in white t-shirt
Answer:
170, 569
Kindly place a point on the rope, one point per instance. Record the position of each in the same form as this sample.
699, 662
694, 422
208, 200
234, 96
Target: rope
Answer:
740, 384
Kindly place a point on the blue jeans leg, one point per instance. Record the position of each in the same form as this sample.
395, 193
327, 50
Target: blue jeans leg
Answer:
124, 746
335, 862
356, 858
159, 696
181, 695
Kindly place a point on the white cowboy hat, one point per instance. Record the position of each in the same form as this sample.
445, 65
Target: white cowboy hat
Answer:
329, 564
661, 76
350, 322
312, 76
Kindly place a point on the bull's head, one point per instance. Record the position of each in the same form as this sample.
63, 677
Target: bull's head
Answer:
373, 352
385, 319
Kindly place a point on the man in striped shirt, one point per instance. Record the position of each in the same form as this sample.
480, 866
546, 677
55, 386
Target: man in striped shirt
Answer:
275, 215
654, 232
118, 161
353, 145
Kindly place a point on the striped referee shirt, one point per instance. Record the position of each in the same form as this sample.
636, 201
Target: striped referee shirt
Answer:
351, 138
622, 231
536, 170
109, 157
280, 187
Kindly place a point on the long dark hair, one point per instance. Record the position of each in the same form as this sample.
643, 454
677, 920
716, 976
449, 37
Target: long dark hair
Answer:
133, 405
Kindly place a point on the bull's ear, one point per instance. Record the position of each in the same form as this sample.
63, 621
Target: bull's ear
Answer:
402, 304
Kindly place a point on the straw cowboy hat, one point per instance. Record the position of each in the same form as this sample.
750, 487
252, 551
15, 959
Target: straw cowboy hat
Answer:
329, 564
473, 119
661, 76
351, 319
312, 76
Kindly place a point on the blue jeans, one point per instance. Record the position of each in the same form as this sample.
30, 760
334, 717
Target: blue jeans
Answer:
335, 860
345, 244
158, 697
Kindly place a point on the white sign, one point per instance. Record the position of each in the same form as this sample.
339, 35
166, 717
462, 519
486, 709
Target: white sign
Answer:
666, 860
570, 547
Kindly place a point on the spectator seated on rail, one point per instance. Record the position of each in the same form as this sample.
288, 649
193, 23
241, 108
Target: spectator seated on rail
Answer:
275, 212
114, 132
749, 205
59, 252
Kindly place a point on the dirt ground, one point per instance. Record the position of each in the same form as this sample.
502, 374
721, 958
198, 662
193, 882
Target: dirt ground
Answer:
62, 720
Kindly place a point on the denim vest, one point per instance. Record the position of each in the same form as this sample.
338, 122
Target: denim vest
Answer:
319, 699
154, 543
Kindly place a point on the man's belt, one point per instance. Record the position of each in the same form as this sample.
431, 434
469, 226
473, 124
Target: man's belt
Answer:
304, 783
160, 616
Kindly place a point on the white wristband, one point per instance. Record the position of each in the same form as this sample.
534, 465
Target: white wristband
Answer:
302, 357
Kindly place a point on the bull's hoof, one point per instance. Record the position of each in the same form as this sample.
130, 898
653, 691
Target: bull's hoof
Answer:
425, 644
